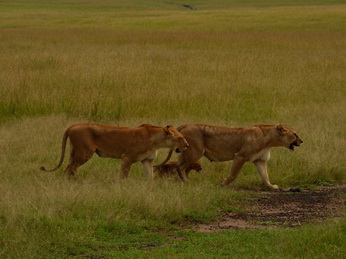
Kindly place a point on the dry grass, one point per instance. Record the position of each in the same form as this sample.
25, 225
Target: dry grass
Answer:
241, 69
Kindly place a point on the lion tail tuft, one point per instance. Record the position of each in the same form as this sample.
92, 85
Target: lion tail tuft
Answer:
42, 168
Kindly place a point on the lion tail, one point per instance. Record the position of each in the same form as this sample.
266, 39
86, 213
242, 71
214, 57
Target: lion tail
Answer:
167, 159
63, 148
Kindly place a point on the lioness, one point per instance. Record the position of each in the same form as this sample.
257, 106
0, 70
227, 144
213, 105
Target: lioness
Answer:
238, 144
128, 144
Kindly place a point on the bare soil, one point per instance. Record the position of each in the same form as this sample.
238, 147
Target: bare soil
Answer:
288, 208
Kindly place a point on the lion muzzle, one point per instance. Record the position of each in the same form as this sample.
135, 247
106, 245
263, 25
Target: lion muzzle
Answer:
295, 143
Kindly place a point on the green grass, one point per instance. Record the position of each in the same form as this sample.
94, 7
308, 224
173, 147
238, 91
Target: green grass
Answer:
232, 63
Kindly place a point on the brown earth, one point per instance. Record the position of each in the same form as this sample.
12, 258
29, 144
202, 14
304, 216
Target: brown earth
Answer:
288, 208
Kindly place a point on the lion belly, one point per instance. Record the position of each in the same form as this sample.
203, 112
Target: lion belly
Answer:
102, 153
218, 156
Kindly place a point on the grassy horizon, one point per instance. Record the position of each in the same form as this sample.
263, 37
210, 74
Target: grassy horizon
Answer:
125, 63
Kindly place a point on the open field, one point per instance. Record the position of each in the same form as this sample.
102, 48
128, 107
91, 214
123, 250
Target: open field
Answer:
124, 63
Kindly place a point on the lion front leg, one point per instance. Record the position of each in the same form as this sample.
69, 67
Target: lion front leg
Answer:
261, 166
148, 168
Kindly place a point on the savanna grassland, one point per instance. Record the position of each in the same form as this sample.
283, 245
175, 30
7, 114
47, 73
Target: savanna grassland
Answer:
124, 63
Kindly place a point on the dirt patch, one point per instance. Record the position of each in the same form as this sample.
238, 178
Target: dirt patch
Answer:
283, 209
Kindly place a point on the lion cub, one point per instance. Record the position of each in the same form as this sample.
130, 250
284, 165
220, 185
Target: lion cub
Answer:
170, 168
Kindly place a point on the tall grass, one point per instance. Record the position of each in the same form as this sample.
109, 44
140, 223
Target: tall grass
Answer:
133, 62
242, 69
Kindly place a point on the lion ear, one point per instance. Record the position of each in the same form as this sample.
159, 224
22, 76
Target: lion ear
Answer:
167, 129
280, 129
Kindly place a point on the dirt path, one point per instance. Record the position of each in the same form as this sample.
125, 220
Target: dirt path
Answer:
283, 209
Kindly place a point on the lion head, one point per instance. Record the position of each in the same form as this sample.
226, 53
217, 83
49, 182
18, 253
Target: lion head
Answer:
176, 138
289, 137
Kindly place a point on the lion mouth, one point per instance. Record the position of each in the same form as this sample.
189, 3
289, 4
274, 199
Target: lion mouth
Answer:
179, 150
294, 144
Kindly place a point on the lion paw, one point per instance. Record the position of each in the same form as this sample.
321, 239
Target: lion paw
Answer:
274, 186
225, 182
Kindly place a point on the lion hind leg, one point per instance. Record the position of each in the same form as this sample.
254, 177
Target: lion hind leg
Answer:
187, 172
181, 168
71, 172
187, 159
238, 163
76, 160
